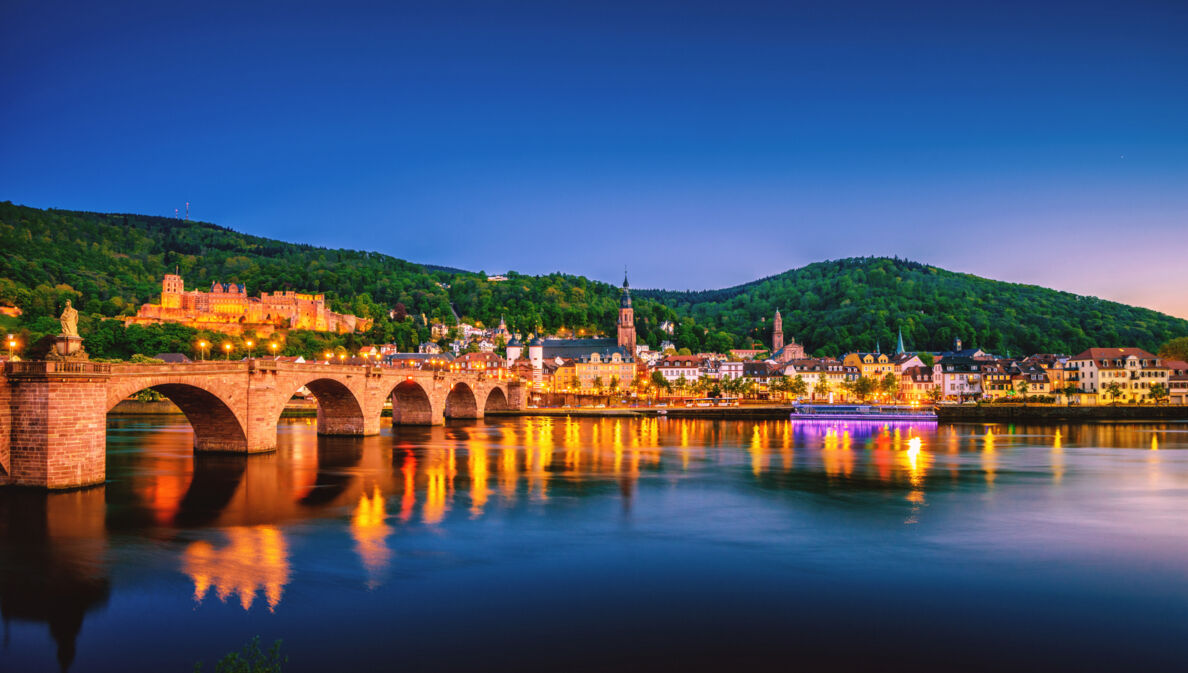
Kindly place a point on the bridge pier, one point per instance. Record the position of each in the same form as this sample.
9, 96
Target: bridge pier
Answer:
56, 424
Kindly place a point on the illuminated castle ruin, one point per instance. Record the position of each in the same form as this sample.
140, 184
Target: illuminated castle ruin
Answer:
227, 308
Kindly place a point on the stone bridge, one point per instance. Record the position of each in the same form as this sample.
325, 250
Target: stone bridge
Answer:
53, 429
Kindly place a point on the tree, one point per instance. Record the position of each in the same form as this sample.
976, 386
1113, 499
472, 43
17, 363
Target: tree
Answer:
1113, 391
821, 389
1023, 388
798, 387
614, 384
659, 381
864, 387
597, 384
934, 395
1158, 392
889, 384
1176, 349
1068, 391
778, 384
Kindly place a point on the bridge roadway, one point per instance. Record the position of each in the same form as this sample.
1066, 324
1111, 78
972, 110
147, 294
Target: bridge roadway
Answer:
53, 414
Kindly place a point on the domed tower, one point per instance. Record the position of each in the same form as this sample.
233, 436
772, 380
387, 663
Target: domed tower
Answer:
626, 319
514, 350
536, 353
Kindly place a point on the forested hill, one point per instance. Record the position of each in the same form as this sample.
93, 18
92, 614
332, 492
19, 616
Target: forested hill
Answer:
110, 264
858, 303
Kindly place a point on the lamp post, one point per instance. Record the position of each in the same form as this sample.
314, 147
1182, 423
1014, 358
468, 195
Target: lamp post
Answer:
272, 346
249, 345
12, 344
227, 350
202, 349
329, 356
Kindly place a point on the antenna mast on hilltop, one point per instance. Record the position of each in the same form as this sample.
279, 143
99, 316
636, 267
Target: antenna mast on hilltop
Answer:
176, 215
187, 211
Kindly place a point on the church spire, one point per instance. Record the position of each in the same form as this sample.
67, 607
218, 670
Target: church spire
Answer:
899, 350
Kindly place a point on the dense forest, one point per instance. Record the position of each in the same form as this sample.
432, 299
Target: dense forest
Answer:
109, 264
860, 304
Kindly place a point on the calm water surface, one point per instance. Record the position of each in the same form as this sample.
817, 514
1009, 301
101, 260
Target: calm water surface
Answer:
542, 544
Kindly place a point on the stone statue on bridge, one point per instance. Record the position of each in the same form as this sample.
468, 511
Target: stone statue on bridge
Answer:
69, 320
68, 344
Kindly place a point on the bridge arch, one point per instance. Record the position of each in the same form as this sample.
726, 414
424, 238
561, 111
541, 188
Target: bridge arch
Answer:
411, 404
461, 402
340, 412
216, 426
496, 401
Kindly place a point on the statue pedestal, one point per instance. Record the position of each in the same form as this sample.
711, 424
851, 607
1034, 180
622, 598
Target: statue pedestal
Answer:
67, 348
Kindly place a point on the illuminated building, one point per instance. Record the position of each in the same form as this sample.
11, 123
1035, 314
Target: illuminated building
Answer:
228, 308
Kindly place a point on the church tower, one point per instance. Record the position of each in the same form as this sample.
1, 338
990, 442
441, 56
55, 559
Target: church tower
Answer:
626, 320
777, 333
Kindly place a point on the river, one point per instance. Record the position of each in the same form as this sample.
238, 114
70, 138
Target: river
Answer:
553, 544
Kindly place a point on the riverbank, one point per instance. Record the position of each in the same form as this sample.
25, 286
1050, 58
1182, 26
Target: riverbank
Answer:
767, 412
752, 412
1063, 414
945, 413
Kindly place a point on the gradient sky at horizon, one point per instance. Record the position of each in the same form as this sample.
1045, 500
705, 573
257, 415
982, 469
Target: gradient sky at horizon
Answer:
701, 144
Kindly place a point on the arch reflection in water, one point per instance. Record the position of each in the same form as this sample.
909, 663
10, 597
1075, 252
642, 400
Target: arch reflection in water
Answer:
370, 530
254, 559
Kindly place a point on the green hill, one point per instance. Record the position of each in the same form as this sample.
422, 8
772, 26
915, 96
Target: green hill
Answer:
855, 304
109, 264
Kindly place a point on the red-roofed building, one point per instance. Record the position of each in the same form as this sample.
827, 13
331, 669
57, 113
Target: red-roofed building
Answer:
1177, 381
675, 367
1134, 370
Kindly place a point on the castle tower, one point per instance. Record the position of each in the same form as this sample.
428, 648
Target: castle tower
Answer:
777, 333
514, 350
626, 320
172, 288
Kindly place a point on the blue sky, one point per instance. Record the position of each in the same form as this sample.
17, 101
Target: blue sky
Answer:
700, 144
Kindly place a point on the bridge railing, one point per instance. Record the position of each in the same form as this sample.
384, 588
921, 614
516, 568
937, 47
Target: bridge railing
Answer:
56, 367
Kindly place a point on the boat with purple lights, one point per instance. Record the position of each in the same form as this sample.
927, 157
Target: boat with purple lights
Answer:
862, 412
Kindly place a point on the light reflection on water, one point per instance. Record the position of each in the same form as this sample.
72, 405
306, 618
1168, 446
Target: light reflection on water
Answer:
687, 508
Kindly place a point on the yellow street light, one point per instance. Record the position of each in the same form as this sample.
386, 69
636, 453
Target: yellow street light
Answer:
249, 343
227, 350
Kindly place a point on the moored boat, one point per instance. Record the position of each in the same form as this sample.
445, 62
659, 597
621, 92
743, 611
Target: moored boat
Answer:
861, 412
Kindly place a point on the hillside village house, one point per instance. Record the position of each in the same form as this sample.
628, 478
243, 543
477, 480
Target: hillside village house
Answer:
1177, 382
870, 365
1133, 369
959, 377
481, 361
674, 367
729, 370
595, 372
917, 383
816, 370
